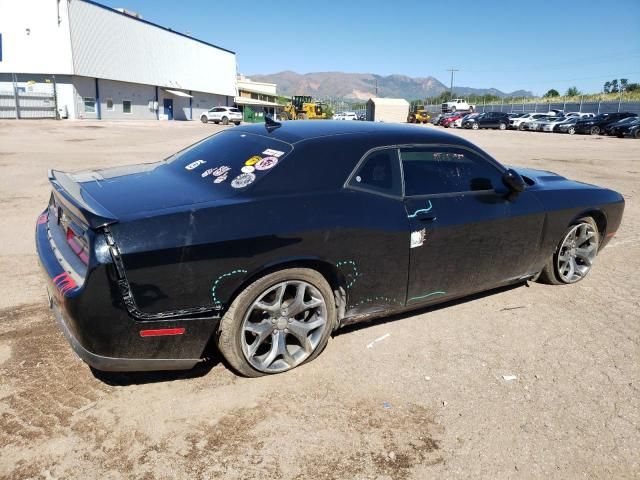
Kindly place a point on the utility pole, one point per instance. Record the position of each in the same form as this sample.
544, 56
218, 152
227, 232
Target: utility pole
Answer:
376, 87
452, 70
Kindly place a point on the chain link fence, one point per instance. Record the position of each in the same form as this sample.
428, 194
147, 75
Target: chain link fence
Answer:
542, 107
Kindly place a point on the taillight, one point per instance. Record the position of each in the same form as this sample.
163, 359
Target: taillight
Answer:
79, 245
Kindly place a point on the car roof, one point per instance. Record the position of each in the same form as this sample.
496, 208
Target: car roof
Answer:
294, 131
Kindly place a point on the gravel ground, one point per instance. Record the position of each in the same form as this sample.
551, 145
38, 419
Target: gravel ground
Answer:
427, 401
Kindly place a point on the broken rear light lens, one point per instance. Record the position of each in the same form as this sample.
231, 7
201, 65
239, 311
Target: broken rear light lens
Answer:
79, 245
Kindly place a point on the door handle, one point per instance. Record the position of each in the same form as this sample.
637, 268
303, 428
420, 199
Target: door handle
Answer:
426, 217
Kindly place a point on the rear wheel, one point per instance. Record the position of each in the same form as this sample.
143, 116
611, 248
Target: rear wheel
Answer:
502, 126
237, 123
521, 127
225, 120
574, 255
636, 134
595, 130
302, 116
475, 126
278, 322
571, 130
204, 119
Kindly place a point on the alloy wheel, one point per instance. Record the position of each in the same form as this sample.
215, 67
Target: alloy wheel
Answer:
577, 252
283, 326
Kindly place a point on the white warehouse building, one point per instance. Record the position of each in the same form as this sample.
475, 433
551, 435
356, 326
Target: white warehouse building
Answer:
106, 64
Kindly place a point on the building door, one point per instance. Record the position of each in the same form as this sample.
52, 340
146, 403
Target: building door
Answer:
168, 108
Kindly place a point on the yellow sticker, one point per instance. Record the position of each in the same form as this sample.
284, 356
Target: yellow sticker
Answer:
253, 160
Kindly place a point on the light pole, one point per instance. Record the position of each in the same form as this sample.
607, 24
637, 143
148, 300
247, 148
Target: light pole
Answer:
452, 70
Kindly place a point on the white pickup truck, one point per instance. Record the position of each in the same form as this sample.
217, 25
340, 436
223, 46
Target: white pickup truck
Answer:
457, 105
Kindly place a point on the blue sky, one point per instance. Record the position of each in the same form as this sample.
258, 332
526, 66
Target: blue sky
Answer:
509, 45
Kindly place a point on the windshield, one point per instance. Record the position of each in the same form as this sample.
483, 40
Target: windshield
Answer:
231, 160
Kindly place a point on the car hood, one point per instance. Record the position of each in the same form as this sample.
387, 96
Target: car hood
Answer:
134, 190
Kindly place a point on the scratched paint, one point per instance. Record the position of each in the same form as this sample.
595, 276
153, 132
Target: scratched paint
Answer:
354, 275
427, 295
422, 210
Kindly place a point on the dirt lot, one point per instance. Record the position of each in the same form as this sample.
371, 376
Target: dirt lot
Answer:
428, 401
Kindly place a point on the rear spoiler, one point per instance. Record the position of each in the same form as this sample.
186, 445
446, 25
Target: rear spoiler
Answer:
78, 202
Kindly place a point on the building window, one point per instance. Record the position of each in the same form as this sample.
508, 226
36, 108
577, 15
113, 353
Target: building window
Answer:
89, 105
110, 104
126, 106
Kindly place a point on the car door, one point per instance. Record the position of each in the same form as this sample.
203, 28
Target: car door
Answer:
489, 120
468, 233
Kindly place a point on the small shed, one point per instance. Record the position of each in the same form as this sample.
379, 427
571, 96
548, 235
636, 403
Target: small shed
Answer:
389, 110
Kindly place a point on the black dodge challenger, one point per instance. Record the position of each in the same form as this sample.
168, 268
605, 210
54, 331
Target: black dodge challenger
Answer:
267, 238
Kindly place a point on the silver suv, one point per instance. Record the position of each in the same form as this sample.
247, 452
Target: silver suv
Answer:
222, 115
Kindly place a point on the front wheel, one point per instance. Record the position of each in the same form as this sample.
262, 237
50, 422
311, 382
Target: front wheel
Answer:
280, 321
571, 130
636, 134
204, 119
225, 120
574, 255
237, 123
502, 126
521, 127
595, 130
475, 126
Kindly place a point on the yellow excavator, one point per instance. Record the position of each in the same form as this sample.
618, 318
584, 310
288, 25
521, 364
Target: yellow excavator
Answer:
303, 107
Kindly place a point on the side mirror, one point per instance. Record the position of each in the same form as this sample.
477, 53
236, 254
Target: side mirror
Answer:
514, 181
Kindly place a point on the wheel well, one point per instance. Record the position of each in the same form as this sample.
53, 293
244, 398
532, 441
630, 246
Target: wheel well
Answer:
600, 219
329, 271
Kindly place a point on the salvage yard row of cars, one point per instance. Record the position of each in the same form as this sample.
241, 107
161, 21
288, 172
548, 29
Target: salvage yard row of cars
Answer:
620, 124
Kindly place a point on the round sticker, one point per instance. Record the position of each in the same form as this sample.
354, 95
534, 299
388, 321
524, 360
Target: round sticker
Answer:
195, 164
243, 180
221, 178
266, 163
207, 172
220, 170
247, 169
253, 160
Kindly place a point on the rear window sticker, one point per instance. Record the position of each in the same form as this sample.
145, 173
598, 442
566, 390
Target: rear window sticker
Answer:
273, 153
247, 169
417, 238
253, 160
266, 163
207, 172
243, 180
221, 178
220, 170
195, 164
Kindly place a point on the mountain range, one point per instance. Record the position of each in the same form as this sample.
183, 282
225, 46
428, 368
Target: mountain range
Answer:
362, 86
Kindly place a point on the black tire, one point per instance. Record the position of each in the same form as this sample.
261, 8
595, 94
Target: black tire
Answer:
217, 122
284, 116
204, 119
475, 126
521, 127
230, 329
453, 109
225, 120
302, 116
237, 123
549, 273
502, 126
595, 130
636, 134
571, 130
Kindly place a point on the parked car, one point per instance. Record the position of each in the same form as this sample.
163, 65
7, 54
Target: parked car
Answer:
436, 119
349, 116
597, 124
549, 124
148, 264
629, 129
337, 116
536, 125
457, 104
612, 128
516, 115
362, 117
446, 123
487, 120
567, 126
224, 115
458, 123
580, 115
521, 123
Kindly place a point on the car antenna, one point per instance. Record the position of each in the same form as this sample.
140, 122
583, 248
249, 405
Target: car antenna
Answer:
271, 124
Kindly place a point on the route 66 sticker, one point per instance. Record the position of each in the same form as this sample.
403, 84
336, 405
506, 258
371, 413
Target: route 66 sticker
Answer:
266, 163
220, 171
243, 180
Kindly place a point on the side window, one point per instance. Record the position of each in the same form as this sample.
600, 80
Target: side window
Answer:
429, 171
379, 172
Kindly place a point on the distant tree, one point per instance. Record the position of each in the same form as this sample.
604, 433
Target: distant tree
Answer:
572, 92
551, 93
607, 87
614, 85
633, 87
624, 84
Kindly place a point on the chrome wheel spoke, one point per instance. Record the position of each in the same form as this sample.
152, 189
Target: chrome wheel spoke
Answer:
301, 331
261, 331
577, 252
276, 304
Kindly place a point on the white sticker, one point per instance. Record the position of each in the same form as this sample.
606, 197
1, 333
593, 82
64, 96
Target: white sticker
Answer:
417, 238
273, 153
266, 163
207, 172
243, 180
247, 169
221, 178
195, 164
220, 171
